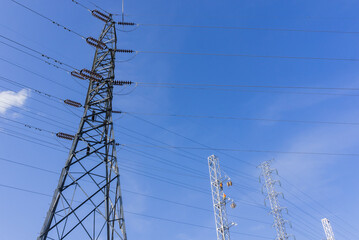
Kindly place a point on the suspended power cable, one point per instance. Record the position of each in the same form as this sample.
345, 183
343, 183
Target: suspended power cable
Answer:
38, 58
64, 102
200, 226
134, 163
318, 204
28, 126
250, 56
247, 150
9, 132
81, 5
133, 192
241, 28
41, 76
49, 19
183, 153
31, 39
241, 118
28, 165
40, 117
182, 185
198, 176
189, 139
164, 161
37, 52
10, 127
306, 213
194, 207
88, 8
30, 88
138, 214
165, 180
254, 91
42, 102
216, 86
38, 142
301, 223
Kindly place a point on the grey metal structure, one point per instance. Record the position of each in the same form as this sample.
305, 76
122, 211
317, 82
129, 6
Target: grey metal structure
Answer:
272, 196
219, 199
87, 203
328, 229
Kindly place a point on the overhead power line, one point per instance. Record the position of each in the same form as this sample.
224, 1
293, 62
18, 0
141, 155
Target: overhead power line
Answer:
39, 75
30, 88
48, 19
255, 91
240, 118
245, 28
138, 214
132, 192
41, 142
190, 139
321, 205
218, 27
36, 51
245, 150
182, 153
247, 86
250, 56
28, 125
38, 58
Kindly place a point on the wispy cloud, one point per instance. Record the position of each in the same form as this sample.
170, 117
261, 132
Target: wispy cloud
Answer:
9, 99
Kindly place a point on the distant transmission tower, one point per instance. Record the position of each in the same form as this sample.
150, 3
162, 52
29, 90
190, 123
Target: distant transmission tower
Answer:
328, 229
272, 195
87, 203
220, 199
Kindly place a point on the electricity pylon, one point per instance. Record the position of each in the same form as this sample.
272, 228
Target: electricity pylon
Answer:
87, 203
272, 195
328, 229
220, 199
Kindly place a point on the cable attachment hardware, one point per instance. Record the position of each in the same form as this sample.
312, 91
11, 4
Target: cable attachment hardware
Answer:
124, 51
96, 43
72, 103
65, 136
77, 74
121, 83
100, 15
91, 75
127, 23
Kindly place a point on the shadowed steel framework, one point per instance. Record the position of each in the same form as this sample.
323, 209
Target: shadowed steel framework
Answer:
87, 203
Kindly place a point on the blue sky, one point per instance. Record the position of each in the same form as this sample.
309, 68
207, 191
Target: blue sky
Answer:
330, 181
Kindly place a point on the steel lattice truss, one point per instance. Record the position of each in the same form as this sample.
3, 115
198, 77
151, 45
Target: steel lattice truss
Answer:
219, 202
328, 229
272, 195
87, 203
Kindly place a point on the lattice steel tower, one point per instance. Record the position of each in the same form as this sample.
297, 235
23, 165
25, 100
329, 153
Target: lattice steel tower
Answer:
220, 200
328, 229
87, 203
272, 195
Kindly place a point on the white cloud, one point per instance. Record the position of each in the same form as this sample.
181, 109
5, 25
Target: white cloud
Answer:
9, 99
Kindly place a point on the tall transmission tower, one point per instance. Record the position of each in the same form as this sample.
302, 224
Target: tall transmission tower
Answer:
87, 203
272, 195
328, 229
220, 199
